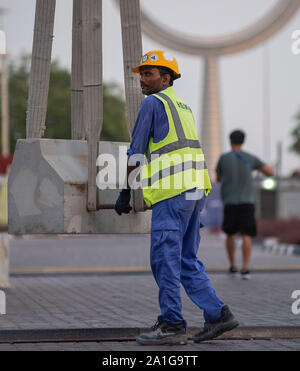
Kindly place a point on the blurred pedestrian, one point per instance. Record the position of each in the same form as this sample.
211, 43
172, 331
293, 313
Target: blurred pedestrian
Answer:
234, 171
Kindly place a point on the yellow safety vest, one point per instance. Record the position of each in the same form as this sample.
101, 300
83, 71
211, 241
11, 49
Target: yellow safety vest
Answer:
175, 164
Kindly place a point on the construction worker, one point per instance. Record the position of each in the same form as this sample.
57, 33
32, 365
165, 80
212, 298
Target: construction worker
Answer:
234, 170
165, 132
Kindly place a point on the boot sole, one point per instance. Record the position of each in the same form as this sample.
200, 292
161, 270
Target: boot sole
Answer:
179, 340
228, 327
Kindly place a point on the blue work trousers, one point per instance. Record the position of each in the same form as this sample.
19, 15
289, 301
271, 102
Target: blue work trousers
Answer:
175, 238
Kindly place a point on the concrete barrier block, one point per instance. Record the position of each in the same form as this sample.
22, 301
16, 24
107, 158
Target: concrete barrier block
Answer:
47, 190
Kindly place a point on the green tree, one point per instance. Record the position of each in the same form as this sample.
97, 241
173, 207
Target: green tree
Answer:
114, 122
18, 91
295, 147
58, 120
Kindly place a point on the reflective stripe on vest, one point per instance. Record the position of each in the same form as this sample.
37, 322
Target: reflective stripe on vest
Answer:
173, 169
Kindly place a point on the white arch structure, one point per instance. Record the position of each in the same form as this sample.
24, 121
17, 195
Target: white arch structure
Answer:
213, 47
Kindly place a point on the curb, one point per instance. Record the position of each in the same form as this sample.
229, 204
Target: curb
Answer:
75, 271
130, 334
271, 245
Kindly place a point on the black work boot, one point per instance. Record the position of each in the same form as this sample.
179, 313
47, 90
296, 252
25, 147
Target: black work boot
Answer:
164, 333
226, 322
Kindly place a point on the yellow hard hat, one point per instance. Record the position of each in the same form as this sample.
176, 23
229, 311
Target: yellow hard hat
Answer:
156, 58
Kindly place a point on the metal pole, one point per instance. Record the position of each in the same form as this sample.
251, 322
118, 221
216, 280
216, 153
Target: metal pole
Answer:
4, 107
279, 159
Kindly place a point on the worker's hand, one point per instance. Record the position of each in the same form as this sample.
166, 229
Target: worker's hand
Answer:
122, 205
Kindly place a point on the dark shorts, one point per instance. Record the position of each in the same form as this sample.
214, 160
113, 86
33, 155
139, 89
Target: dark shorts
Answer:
239, 219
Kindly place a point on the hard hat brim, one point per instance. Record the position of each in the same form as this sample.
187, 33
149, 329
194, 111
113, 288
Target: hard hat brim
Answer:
137, 69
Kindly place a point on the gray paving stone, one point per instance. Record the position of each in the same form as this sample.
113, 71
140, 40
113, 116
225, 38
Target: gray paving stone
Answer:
78, 301
265, 301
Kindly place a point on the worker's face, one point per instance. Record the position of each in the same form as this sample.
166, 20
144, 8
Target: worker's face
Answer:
151, 81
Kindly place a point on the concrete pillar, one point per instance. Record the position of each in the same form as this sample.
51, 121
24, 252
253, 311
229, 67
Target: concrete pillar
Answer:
40, 68
211, 133
92, 89
77, 123
132, 53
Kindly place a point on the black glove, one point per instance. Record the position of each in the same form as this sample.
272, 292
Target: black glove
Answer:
122, 205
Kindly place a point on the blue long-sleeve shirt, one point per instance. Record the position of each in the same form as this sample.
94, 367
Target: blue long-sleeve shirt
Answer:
151, 121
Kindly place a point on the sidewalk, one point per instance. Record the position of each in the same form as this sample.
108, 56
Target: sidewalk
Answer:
129, 300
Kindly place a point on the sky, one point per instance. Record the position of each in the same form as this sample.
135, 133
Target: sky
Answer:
242, 78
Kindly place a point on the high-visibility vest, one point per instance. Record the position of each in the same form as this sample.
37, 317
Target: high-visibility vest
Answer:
175, 164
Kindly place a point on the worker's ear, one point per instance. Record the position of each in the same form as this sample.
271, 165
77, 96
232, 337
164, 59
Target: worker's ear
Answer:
166, 79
